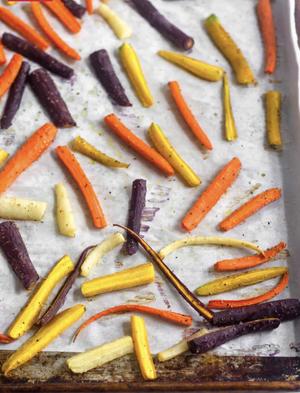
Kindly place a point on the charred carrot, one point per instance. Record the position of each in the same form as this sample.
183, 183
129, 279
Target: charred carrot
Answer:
188, 116
138, 144
249, 208
170, 316
89, 6
230, 265
63, 15
280, 287
25, 30
211, 195
273, 118
267, 27
77, 173
50, 32
2, 55
10, 73
31, 151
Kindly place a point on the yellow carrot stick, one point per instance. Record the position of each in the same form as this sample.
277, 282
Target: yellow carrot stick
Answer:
43, 337
164, 147
30, 313
64, 214
196, 67
230, 50
273, 115
235, 281
119, 27
141, 347
135, 74
230, 128
3, 156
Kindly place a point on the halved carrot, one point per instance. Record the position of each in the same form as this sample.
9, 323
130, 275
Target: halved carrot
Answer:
280, 287
230, 265
211, 195
50, 33
31, 151
249, 208
267, 27
63, 15
10, 73
75, 170
188, 116
2, 55
138, 144
25, 30
89, 6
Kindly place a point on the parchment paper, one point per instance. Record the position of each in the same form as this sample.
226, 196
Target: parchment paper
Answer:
87, 101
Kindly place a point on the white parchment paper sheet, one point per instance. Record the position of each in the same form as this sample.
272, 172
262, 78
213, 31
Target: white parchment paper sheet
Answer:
89, 103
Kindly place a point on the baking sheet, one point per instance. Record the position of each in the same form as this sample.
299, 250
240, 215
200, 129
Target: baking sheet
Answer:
262, 168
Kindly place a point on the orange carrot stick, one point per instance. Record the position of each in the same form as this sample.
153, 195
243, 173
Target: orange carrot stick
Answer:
28, 32
280, 287
211, 195
10, 73
2, 55
73, 166
138, 145
188, 116
230, 265
267, 27
5, 339
249, 208
63, 15
89, 6
51, 34
171, 316
31, 151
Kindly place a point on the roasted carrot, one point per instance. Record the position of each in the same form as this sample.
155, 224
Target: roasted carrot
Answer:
211, 195
63, 15
5, 339
188, 116
73, 166
50, 32
280, 287
230, 265
267, 27
31, 151
25, 30
89, 6
138, 144
2, 54
171, 316
10, 73
249, 208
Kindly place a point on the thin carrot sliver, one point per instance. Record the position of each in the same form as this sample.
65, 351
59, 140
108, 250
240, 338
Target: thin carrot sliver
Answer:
230, 265
17, 24
222, 304
188, 116
74, 168
211, 195
10, 73
138, 144
170, 316
267, 27
5, 339
63, 15
2, 55
29, 152
89, 6
249, 208
51, 34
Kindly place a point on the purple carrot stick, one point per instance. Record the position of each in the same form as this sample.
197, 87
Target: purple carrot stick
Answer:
76, 9
136, 207
16, 253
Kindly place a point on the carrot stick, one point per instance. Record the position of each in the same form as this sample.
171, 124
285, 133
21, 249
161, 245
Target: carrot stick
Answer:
280, 287
5, 339
211, 195
188, 116
51, 34
10, 73
63, 15
2, 55
31, 151
73, 166
171, 316
230, 265
137, 144
25, 30
89, 6
249, 208
267, 27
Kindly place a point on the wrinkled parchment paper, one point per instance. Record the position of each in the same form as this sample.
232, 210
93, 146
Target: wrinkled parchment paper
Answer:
88, 103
